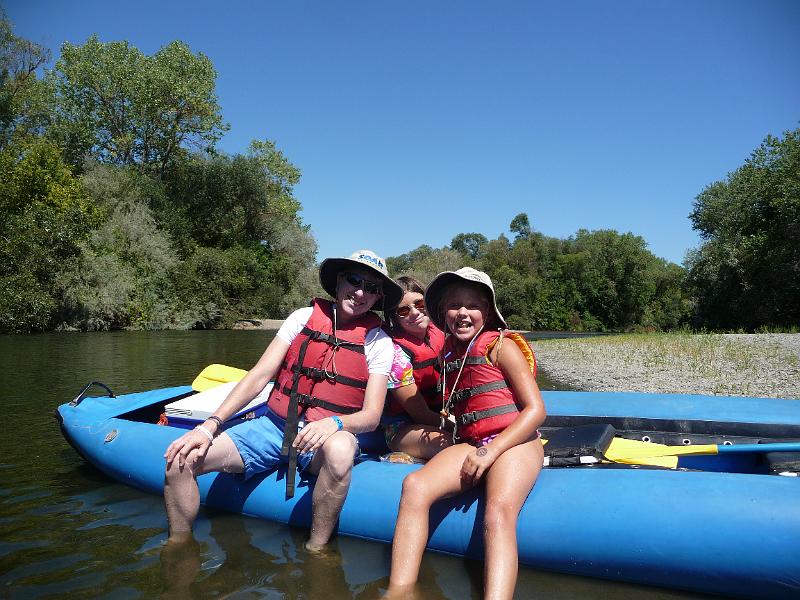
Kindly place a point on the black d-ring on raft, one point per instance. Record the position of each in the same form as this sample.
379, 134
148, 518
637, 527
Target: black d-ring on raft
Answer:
82, 394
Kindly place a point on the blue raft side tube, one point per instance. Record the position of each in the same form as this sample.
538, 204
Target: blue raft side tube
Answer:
730, 534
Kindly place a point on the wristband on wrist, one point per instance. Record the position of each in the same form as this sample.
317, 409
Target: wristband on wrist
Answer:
208, 434
216, 420
338, 422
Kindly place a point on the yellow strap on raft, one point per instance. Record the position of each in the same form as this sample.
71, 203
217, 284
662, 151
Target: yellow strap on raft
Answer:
521, 343
214, 375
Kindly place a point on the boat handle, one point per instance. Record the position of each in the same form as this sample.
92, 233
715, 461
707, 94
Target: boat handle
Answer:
82, 394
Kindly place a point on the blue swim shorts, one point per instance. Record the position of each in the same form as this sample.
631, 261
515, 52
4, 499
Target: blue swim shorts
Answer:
259, 443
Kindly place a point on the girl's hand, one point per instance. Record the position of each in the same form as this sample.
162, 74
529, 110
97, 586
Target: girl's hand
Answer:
191, 447
477, 463
314, 434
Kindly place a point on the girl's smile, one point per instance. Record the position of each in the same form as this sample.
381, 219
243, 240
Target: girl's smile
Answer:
416, 321
465, 312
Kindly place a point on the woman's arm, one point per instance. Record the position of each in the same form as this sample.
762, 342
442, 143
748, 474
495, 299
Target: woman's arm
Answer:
411, 400
251, 384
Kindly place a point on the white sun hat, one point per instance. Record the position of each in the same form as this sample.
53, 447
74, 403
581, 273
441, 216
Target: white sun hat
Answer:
331, 267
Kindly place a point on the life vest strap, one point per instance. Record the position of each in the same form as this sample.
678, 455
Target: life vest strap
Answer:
431, 362
474, 417
290, 429
332, 340
467, 393
455, 365
307, 400
321, 374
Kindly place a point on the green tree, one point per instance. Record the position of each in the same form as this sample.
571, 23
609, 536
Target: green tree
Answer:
24, 98
227, 200
239, 212
469, 244
46, 214
612, 273
425, 262
746, 274
521, 226
122, 277
117, 105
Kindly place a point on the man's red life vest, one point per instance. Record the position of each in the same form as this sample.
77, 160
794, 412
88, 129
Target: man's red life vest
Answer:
426, 362
482, 402
324, 373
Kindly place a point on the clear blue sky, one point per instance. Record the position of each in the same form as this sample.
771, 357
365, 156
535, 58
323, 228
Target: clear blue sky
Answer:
415, 121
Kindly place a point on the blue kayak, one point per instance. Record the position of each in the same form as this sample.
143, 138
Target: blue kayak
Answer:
726, 523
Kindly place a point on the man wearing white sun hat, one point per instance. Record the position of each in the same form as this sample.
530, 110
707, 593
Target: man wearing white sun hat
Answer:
330, 361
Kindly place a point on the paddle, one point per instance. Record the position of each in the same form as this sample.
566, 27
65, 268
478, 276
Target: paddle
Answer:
214, 375
635, 452
659, 450
622, 450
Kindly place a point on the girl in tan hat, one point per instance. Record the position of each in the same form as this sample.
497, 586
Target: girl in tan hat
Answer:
491, 393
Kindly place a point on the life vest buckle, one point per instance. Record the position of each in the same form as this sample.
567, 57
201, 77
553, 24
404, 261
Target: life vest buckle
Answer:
467, 418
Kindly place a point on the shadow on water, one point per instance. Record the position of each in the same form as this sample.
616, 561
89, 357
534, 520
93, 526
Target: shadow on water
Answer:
66, 529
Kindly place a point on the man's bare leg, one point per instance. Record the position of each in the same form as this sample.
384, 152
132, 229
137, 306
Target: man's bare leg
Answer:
181, 495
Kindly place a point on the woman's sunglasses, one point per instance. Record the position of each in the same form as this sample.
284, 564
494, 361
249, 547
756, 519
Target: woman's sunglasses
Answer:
405, 310
357, 281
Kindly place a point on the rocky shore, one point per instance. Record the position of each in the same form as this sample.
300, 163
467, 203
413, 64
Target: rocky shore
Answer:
766, 365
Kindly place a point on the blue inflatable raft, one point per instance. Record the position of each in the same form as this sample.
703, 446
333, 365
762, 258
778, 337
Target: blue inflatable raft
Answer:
726, 523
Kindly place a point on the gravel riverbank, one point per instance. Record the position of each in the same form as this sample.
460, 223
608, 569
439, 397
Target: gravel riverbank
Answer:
765, 365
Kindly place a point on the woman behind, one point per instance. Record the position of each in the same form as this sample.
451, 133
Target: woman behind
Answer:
497, 406
411, 422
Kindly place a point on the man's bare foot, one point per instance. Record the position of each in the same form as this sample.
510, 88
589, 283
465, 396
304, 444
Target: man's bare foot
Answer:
315, 548
179, 538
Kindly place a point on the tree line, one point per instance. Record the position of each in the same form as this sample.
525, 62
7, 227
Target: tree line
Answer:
120, 212
745, 275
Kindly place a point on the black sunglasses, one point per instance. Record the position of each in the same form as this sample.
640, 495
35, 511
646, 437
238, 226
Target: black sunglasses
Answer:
356, 280
405, 310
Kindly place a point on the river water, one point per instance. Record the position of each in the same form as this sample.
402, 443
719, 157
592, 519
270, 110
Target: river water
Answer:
67, 530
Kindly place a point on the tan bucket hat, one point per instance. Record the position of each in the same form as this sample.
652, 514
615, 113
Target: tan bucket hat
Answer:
331, 267
433, 293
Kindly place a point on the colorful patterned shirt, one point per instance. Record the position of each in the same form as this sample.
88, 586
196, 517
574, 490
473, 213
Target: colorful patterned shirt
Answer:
401, 372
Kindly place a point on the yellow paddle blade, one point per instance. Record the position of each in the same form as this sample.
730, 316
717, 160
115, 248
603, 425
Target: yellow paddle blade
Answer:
637, 449
214, 375
634, 452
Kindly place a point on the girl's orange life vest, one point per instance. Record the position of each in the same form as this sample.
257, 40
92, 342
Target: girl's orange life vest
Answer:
427, 365
482, 402
324, 373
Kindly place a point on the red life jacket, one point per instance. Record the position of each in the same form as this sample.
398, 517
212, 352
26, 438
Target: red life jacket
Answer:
482, 402
324, 373
427, 366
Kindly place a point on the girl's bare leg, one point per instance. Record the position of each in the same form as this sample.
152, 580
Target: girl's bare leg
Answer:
439, 478
421, 441
507, 487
